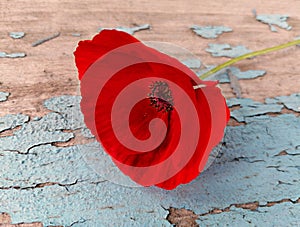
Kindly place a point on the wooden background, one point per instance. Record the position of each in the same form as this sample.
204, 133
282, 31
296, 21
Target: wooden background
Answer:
48, 70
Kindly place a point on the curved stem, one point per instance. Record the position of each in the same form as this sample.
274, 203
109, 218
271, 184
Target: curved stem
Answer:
249, 55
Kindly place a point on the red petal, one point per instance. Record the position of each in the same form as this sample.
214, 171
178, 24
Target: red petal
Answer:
106, 72
220, 115
88, 51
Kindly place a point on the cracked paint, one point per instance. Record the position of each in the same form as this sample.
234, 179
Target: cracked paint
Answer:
185, 217
56, 186
10, 121
131, 30
182, 217
210, 32
284, 214
45, 131
274, 19
68, 107
66, 115
291, 102
226, 50
45, 164
250, 108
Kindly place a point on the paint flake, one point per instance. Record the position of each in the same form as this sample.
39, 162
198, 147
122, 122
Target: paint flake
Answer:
17, 35
210, 32
223, 76
241, 102
131, 30
12, 55
249, 108
291, 102
3, 96
274, 19
241, 75
226, 50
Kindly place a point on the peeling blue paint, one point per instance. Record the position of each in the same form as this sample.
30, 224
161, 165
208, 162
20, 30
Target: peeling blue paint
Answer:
12, 55
249, 74
45, 131
46, 163
241, 102
130, 31
226, 50
69, 109
250, 108
291, 102
274, 19
10, 121
17, 35
3, 96
249, 170
210, 32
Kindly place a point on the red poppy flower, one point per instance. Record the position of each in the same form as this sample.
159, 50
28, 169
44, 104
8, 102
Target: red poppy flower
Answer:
142, 106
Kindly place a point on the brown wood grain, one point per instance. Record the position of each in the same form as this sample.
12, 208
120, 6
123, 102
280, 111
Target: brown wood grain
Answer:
49, 70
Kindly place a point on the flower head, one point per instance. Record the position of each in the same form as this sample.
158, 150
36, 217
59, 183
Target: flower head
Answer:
142, 107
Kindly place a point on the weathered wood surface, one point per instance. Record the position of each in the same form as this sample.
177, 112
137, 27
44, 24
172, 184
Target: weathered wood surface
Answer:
48, 70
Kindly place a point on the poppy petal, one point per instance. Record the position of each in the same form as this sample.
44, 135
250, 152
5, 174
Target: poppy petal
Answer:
89, 51
163, 141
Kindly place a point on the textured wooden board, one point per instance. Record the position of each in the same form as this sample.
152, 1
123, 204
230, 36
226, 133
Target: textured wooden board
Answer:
48, 70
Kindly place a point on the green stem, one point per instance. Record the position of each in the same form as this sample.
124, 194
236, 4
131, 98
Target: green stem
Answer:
249, 55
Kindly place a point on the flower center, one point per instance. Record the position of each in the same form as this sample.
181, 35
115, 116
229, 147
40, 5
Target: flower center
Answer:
161, 96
